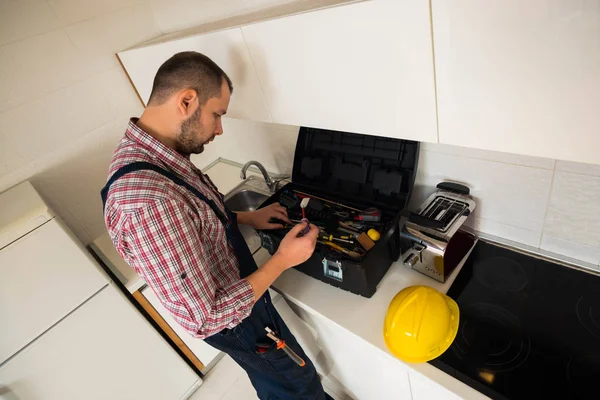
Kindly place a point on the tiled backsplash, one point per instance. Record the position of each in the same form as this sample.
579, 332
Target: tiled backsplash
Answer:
65, 100
543, 203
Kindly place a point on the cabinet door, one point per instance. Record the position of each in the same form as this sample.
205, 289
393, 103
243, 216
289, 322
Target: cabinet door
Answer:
423, 388
226, 48
519, 76
364, 371
104, 350
364, 67
43, 276
205, 352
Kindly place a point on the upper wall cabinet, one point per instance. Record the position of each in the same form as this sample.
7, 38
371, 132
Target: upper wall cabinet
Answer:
227, 48
519, 76
365, 67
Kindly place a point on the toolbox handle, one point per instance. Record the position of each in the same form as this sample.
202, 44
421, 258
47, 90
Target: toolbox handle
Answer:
394, 244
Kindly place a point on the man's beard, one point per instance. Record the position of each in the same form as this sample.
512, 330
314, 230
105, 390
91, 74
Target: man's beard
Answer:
190, 132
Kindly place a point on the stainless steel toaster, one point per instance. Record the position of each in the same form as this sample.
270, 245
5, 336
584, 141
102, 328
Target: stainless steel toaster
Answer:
436, 230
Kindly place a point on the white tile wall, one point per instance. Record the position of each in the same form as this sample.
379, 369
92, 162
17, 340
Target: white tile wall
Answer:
574, 211
40, 19
52, 121
510, 194
70, 178
571, 249
10, 158
578, 168
116, 90
39, 65
173, 15
507, 158
73, 11
273, 144
65, 101
99, 38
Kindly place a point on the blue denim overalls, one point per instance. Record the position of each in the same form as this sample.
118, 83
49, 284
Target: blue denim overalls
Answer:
273, 374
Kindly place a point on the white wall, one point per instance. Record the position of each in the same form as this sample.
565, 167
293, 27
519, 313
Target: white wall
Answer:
64, 104
64, 100
174, 15
548, 204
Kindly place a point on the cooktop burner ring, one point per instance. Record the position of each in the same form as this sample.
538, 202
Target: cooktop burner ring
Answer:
588, 315
501, 274
491, 337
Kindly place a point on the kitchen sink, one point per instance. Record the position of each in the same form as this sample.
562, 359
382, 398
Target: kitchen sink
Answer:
248, 196
245, 200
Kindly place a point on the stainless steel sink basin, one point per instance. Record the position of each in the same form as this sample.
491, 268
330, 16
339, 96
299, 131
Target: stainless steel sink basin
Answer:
245, 200
247, 196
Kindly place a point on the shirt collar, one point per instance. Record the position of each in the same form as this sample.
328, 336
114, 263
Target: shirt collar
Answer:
168, 156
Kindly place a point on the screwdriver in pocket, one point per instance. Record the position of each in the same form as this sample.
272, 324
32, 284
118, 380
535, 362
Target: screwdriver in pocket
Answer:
282, 345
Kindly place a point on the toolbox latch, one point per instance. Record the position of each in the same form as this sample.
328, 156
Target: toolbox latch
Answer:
333, 269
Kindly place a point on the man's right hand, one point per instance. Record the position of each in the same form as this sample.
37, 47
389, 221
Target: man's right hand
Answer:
294, 250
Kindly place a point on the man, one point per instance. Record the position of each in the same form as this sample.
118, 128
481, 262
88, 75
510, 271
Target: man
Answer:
169, 222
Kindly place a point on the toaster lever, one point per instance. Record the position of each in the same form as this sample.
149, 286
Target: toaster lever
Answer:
415, 256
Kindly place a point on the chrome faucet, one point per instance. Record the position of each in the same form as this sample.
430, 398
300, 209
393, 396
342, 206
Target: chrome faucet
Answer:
271, 181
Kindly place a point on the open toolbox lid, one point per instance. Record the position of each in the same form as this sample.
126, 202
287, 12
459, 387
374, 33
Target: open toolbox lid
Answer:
360, 168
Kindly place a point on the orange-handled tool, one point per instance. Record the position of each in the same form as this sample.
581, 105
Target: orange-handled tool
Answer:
282, 345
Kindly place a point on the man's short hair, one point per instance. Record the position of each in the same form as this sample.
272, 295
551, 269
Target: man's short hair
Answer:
188, 70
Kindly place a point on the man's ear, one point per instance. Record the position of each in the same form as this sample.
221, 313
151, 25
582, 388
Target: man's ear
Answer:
187, 101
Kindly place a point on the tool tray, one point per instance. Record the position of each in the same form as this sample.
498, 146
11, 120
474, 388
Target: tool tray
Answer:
357, 171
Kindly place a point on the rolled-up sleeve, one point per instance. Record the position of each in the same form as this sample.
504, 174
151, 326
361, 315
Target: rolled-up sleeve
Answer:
174, 255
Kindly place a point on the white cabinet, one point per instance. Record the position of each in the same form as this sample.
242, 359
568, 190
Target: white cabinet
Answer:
43, 276
423, 388
226, 48
519, 76
364, 371
103, 350
364, 67
202, 350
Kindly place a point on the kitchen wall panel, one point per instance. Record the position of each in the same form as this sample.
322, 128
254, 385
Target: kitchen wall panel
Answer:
98, 39
180, 14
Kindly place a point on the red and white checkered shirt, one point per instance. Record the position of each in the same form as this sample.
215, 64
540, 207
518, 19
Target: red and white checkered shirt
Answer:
173, 240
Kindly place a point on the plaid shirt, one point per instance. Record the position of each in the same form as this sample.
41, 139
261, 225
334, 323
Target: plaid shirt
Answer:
173, 240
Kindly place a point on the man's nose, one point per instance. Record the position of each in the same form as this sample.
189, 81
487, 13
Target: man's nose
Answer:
219, 128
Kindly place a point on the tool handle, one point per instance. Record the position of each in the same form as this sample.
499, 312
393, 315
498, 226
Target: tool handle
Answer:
306, 228
295, 357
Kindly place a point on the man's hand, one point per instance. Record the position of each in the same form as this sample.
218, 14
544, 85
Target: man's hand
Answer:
294, 250
259, 219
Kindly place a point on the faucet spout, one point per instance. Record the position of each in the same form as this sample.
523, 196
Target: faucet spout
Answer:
270, 181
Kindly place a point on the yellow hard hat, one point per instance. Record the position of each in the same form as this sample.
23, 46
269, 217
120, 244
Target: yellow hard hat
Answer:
421, 323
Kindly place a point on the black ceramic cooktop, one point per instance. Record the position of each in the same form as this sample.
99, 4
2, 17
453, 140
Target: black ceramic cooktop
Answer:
529, 328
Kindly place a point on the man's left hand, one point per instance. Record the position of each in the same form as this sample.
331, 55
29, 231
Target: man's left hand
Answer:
259, 219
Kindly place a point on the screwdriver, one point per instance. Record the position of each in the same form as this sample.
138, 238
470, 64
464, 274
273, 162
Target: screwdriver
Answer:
282, 345
344, 239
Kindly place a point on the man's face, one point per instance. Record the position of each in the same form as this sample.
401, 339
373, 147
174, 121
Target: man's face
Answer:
204, 124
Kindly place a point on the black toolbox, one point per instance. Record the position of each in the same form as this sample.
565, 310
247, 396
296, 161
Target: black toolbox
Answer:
359, 171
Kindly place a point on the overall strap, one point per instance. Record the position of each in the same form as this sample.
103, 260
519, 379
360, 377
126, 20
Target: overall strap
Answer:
142, 165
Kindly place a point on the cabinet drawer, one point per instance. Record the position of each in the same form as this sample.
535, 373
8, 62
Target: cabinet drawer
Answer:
103, 350
202, 350
43, 276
